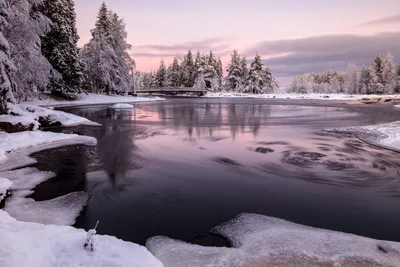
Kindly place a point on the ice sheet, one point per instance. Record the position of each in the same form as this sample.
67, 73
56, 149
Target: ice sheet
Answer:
265, 241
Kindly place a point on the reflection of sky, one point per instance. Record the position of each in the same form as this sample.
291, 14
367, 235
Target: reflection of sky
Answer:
165, 28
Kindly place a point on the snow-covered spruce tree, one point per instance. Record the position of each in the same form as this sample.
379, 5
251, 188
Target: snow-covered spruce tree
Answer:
210, 72
108, 66
125, 64
188, 70
377, 86
174, 74
6, 67
201, 66
234, 79
25, 26
161, 75
220, 70
389, 74
365, 81
59, 46
397, 89
243, 66
260, 80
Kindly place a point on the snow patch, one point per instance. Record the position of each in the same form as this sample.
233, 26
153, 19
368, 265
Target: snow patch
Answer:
59, 211
26, 178
94, 99
25, 244
265, 241
122, 106
15, 148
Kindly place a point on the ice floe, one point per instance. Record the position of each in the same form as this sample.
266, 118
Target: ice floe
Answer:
122, 106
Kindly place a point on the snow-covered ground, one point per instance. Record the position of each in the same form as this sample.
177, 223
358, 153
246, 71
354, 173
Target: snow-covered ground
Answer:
122, 106
5, 185
25, 244
302, 96
265, 241
93, 99
26, 143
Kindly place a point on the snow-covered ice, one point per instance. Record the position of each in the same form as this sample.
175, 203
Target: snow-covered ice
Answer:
16, 147
301, 96
265, 241
93, 99
26, 178
382, 135
58, 211
26, 244
122, 106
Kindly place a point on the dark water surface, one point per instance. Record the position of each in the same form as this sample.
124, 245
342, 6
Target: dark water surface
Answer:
196, 163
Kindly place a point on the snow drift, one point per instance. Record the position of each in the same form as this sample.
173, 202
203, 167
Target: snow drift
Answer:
25, 244
265, 241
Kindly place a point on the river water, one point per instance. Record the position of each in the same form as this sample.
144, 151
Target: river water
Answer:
183, 166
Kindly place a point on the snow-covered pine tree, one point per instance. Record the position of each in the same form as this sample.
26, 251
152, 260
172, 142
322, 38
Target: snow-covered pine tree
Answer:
161, 75
6, 66
397, 89
260, 80
59, 45
234, 80
196, 68
210, 72
220, 69
351, 82
25, 26
103, 23
389, 74
188, 70
174, 74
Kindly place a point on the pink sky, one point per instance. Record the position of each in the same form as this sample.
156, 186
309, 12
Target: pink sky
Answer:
160, 29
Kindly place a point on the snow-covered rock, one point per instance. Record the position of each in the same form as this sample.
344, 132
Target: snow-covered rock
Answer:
122, 106
25, 244
265, 241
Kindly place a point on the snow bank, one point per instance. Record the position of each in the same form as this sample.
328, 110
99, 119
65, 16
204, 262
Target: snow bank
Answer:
5, 185
122, 106
383, 135
93, 99
16, 147
59, 211
25, 244
265, 241
302, 96
29, 114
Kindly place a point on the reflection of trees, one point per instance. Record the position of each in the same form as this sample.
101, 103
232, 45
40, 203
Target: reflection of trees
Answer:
206, 119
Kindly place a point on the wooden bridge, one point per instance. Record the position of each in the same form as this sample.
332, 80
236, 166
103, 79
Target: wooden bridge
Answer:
172, 91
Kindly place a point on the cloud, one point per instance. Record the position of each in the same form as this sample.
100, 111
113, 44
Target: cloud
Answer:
387, 20
320, 53
214, 44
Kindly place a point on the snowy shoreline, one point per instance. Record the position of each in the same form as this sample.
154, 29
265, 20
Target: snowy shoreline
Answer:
92, 99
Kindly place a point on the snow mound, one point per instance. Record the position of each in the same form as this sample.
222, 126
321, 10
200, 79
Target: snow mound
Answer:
122, 106
59, 211
94, 99
5, 185
383, 135
16, 147
265, 241
25, 244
